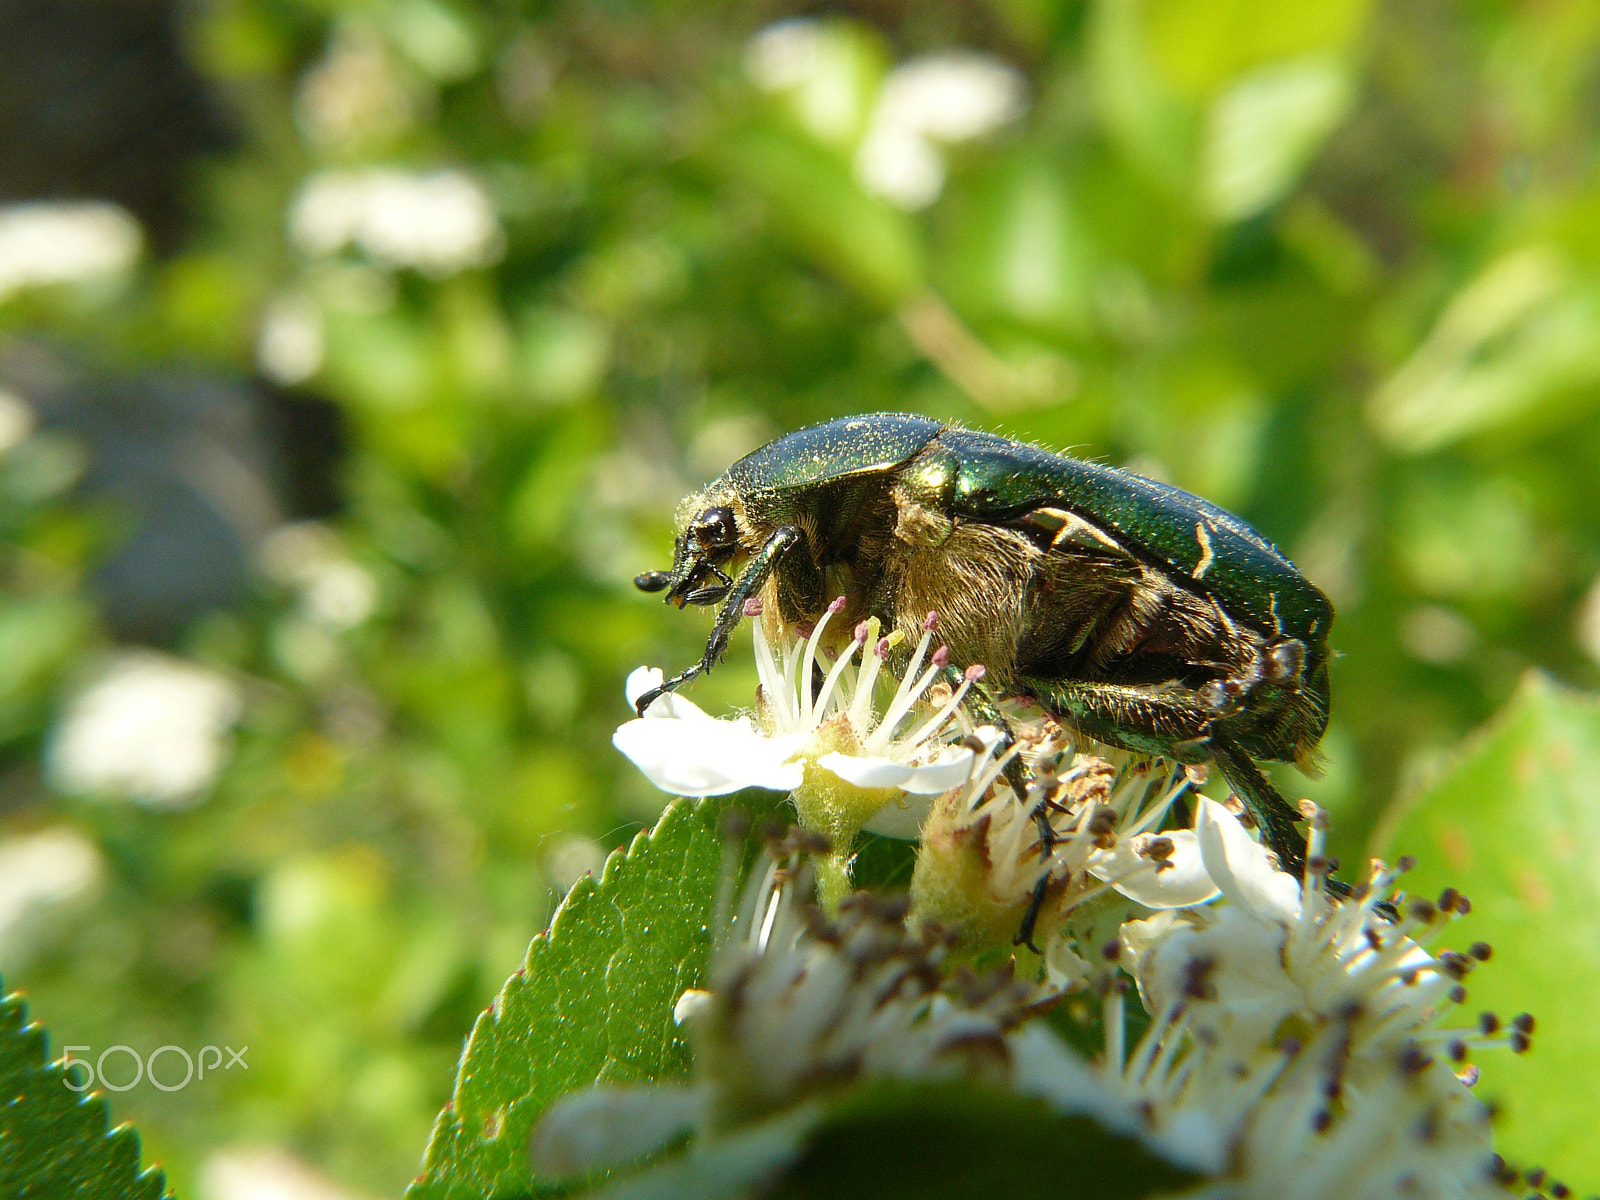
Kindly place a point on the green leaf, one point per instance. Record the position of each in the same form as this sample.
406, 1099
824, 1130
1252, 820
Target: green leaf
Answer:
920, 1141
1199, 45
1514, 823
816, 202
56, 1144
592, 1004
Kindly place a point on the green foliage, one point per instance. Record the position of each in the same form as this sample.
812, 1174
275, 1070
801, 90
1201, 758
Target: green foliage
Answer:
591, 1004
1334, 266
1514, 821
57, 1143
919, 1141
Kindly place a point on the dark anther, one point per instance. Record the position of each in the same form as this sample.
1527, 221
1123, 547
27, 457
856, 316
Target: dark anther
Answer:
1413, 1061
1480, 951
1523, 1022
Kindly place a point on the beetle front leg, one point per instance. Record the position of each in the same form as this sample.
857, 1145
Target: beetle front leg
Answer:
751, 580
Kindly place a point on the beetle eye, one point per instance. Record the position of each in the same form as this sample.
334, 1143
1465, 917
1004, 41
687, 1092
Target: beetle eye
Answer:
716, 527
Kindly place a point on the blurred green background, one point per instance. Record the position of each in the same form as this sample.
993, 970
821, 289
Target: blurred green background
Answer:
332, 434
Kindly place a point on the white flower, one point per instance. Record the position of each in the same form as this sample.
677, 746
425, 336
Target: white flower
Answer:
1307, 1025
247, 1172
152, 729
801, 1005
835, 727
982, 856
353, 95
684, 750
946, 98
336, 593
290, 343
16, 420
43, 243
39, 871
440, 223
952, 97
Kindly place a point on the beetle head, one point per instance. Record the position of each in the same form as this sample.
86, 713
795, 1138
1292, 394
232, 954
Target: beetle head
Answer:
709, 539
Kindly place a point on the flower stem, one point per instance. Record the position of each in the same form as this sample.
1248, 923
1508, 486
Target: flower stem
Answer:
833, 879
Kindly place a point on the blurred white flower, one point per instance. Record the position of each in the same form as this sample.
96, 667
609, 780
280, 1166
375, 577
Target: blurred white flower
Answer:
570, 857
44, 243
16, 420
903, 167
265, 1173
952, 97
353, 94
289, 344
336, 593
942, 98
824, 67
1588, 621
39, 871
152, 729
784, 55
439, 223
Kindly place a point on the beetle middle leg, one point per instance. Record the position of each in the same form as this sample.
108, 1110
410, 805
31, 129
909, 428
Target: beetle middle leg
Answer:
1175, 723
751, 580
982, 707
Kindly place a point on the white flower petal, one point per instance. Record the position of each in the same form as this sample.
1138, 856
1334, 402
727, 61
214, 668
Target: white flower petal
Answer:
1178, 885
866, 771
641, 681
949, 770
1241, 868
901, 818
705, 757
670, 706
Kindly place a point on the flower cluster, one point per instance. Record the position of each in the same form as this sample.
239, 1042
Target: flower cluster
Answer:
801, 1002
1297, 1042
1309, 1026
983, 860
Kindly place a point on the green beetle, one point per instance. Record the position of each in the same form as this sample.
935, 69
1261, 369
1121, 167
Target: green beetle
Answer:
1137, 613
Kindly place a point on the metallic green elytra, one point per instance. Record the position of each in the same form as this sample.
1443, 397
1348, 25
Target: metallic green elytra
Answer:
1143, 616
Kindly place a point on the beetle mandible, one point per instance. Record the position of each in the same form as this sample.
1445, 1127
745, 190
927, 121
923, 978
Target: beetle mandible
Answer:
1136, 613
